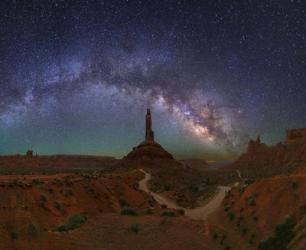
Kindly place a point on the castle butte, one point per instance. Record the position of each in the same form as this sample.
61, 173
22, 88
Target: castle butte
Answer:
261, 159
148, 149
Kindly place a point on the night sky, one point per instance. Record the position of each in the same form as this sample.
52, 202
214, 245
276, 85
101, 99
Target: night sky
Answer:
76, 77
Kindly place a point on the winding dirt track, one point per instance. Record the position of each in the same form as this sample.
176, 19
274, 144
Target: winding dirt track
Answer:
199, 213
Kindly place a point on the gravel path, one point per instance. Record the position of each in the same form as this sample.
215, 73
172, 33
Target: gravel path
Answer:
199, 213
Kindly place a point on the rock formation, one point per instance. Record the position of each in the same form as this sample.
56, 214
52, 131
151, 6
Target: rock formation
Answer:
295, 135
254, 145
263, 160
148, 149
149, 132
29, 153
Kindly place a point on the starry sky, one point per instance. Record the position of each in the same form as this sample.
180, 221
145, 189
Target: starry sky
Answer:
76, 77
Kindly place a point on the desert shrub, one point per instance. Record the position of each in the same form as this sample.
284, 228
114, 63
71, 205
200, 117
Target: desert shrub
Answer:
255, 218
32, 230
227, 208
244, 231
91, 190
223, 238
251, 200
128, 211
281, 238
215, 236
73, 222
149, 211
249, 181
163, 221
14, 235
42, 200
164, 206
59, 206
57, 181
168, 213
294, 185
239, 220
67, 192
180, 211
231, 216
227, 194
194, 189
135, 227
123, 202
36, 182
166, 187
241, 190
303, 208
251, 240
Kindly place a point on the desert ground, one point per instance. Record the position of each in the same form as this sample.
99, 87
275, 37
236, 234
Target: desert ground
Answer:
149, 202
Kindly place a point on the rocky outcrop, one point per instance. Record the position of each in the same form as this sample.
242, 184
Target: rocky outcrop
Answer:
252, 214
295, 136
29, 153
262, 160
148, 149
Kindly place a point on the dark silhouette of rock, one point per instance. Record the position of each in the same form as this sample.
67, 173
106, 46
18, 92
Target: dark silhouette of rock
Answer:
29, 153
148, 149
55, 161
149, 132
254, 145
262, 160
295, 135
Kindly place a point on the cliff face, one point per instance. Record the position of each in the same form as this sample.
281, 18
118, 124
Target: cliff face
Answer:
261, 160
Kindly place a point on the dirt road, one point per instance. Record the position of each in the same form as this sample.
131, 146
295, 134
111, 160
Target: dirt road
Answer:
199, 213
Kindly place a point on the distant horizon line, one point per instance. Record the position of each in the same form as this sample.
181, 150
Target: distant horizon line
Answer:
109, 156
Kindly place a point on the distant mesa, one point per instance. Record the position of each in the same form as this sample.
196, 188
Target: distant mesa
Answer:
295, 136
31, 160
29, 153
278, 159
148, 149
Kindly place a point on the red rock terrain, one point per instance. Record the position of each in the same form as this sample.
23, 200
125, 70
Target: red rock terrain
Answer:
42, 203
250, 214
33, 208
98, 205
261, 160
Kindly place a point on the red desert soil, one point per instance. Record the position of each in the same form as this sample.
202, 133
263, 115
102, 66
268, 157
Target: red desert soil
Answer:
251, 213
113, 231
32, 207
